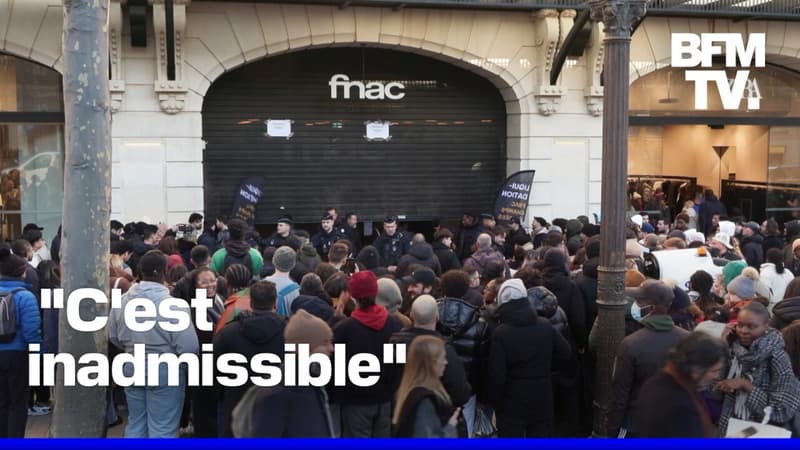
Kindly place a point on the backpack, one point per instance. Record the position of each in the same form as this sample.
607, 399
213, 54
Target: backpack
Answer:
230, 260
8, 316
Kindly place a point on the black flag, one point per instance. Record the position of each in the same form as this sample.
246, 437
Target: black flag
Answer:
512, 199
244, 206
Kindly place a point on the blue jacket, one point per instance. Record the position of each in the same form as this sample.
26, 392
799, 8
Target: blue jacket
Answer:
29, 322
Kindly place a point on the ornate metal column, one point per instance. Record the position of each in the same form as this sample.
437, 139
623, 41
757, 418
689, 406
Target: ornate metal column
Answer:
618, 17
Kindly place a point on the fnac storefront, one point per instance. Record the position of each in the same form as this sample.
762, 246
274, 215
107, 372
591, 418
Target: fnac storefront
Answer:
369, 130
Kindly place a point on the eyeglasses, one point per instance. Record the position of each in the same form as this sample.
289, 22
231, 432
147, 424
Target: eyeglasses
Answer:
207, 283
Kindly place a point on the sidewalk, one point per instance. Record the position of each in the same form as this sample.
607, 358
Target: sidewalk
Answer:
39, 426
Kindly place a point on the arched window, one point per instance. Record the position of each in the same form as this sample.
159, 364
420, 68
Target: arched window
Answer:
31, 147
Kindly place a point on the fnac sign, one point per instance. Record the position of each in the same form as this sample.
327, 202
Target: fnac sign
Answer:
692, 50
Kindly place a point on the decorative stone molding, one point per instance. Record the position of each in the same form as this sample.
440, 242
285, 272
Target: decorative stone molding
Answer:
548, 35
593, 92
116, 82
618, 16
171, 93
548, 99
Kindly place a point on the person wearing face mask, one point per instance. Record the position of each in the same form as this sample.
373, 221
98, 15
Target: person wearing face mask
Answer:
760, 373
643, 353
669, 405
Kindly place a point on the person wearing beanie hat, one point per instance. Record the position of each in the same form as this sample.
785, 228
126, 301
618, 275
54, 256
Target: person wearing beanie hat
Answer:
732, 270
153, 419
290, 411
643, 353
389, 297
14, 348
523, 399
740, 291
258, 330
752, 244
512, 289
284, 259
366, 411
425, 315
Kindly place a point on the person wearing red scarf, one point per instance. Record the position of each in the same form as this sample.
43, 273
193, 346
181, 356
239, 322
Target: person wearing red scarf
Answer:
366, 411
669, 404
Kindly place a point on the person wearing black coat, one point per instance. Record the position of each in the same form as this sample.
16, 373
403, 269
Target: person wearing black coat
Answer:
260, 331
669, 404
466, 236
424, 313
442, 248
711, 206
420, 253
752, 244
290, 411
523, 353
461, 324
586, 280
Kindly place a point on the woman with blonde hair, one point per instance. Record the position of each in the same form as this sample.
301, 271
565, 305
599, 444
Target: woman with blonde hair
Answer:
423, 408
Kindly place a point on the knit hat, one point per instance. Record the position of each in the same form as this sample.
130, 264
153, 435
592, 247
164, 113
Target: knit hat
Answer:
304, 328
633, 278
511, 290
743, 286
732, 270
752, 225
389, 295
363, 285
555, 258
369, 257
637, 219
284, 259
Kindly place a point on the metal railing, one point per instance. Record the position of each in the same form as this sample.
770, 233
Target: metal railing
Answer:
742, 9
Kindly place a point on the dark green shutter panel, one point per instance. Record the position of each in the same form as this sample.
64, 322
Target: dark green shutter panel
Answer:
446, 155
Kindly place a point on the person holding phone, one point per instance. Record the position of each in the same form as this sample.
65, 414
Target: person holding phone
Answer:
423, 408
760, 375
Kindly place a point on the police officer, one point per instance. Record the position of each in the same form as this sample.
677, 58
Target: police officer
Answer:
326, 236
284, 235
392, 244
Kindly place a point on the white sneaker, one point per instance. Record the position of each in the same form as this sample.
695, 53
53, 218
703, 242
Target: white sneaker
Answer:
38, 411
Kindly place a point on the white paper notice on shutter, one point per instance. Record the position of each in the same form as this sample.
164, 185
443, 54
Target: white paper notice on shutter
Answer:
378, 131
279, 128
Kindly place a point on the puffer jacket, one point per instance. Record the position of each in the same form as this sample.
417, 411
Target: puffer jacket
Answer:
461, 324
785, 312
546, 305
28, 319
422, 254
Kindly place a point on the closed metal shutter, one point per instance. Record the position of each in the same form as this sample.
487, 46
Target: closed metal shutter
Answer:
446, 154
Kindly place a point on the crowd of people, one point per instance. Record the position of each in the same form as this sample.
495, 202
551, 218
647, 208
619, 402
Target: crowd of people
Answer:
499, 326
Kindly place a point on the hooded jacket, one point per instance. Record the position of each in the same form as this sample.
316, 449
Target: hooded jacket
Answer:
248, 335
365, 331
139, 249
557, 280
447, 257
308, 256
482, 257
284, 412
314, 306
236, 249
156, 340
753, 250
546, 306
461, 324
520, 384
422, 254
28, 319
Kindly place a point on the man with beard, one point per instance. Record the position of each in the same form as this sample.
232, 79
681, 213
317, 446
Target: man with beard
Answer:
325, 238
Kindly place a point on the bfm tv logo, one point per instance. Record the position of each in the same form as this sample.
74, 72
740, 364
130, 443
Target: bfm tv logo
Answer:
691, 50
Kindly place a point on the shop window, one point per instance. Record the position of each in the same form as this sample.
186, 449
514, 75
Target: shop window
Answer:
665, 92
31, 149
